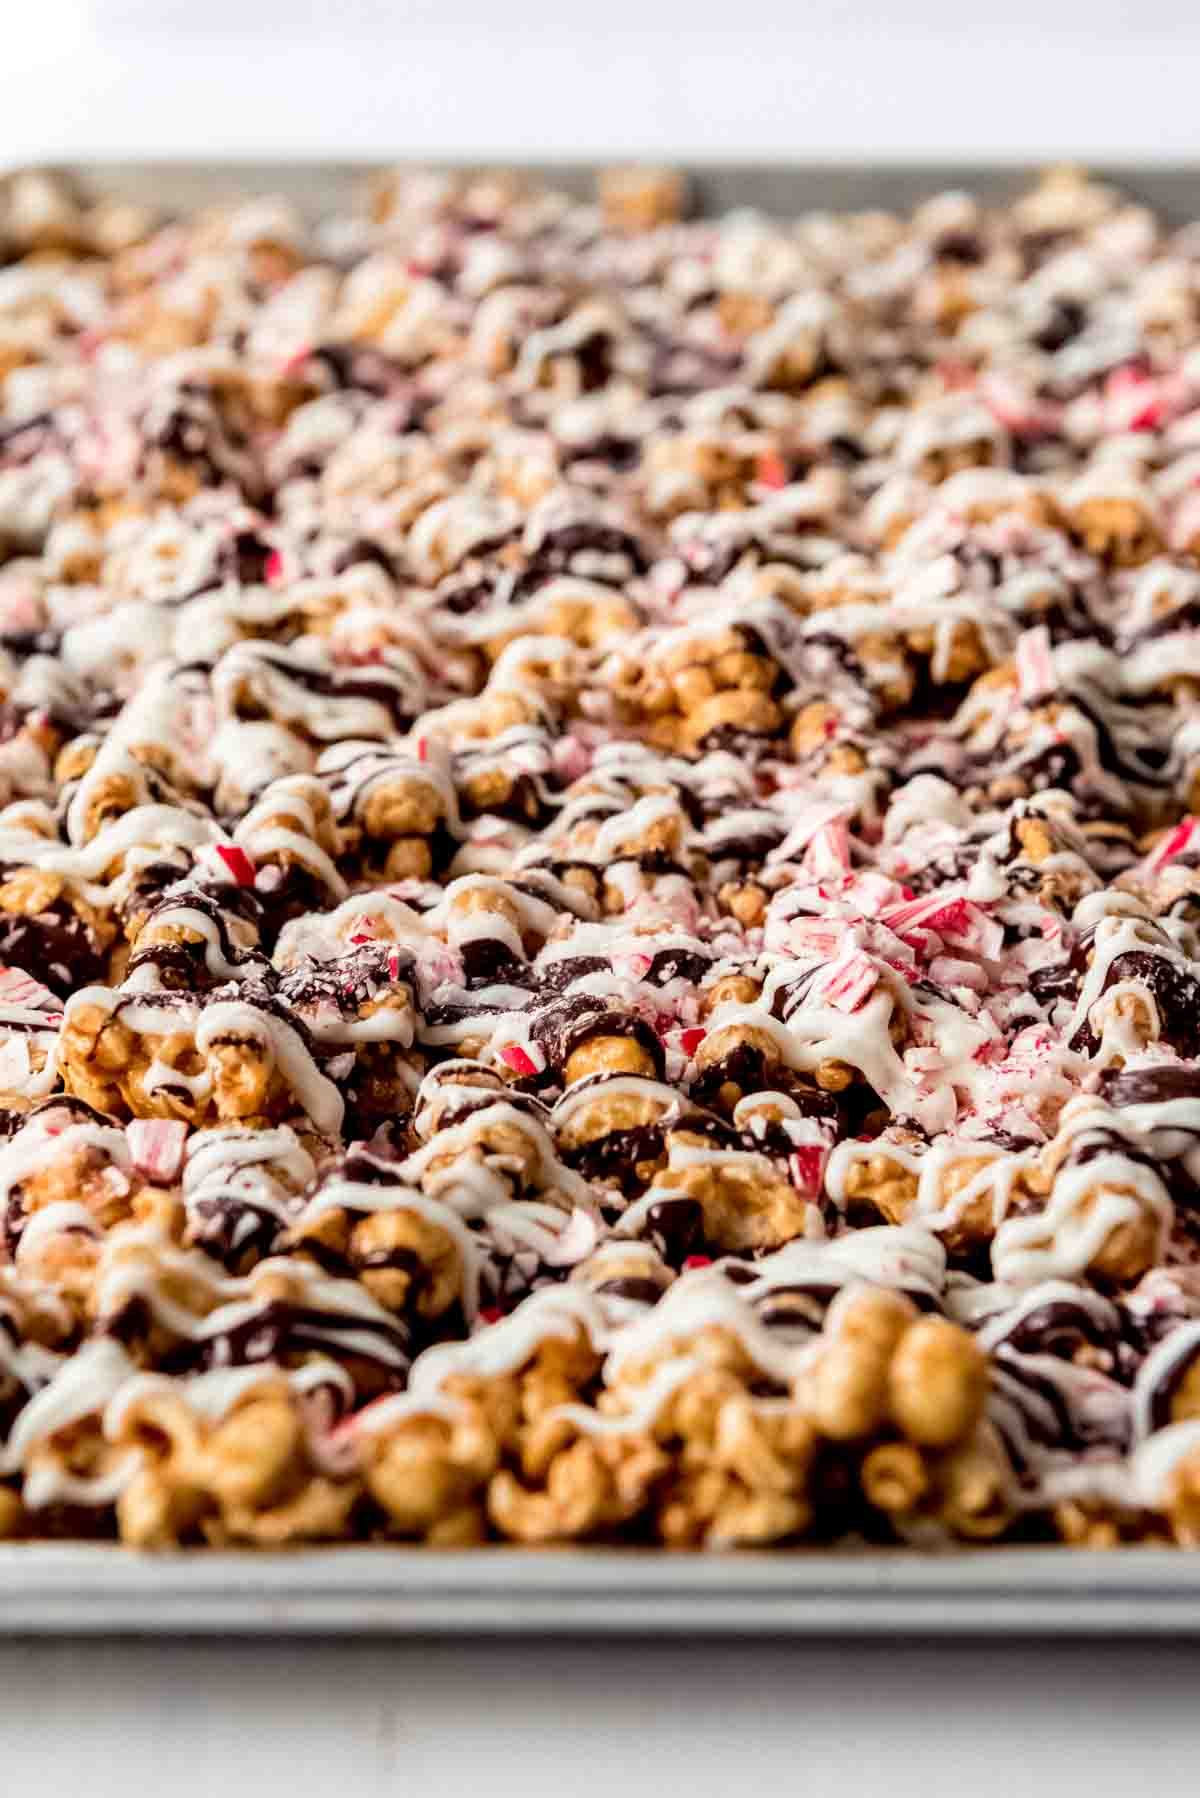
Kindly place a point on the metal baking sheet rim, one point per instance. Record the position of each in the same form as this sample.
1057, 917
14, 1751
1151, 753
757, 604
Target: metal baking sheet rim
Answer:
101, 1589
97, 1589
1173, 189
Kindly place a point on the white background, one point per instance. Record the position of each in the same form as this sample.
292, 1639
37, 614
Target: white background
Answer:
614, 1720
684, 77
721, 77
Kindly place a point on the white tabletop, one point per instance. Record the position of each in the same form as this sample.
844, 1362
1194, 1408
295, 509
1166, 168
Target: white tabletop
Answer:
684, 77
673, 77
618, 1720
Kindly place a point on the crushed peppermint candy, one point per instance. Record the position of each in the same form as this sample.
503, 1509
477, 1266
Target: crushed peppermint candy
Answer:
850, 982
156, 1148
807, 1165
238, 863
770, 470
19, 988
1036, 678
1172, 844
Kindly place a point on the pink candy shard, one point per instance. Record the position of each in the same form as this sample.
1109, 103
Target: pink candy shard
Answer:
948, 971
955, 375
1015, 407
771, 471
571, 757
295, 362
19, 988
156, 1147
1035, 665
690, 1040
869, 891
807, 825
1134, 400
949, 915
20, 611
851, 982
828, 855
814, 937
933, 911
516, 1058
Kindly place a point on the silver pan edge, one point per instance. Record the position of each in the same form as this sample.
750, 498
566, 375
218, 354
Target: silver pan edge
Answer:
91, 1589
1172, 189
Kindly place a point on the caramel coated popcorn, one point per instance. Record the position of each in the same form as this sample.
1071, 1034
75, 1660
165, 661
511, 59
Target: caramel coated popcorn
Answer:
598, 919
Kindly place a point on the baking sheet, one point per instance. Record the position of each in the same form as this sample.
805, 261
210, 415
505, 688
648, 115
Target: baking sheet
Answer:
86, 1588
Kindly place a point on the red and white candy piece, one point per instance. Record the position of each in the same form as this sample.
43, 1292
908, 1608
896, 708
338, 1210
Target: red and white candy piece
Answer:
432, 750
806, 825
954, 374
1013, 406
951, 915
236, 863
294, 362
19, 988
828, 855
850, 982
1174, 843
932, 911
807, 1166
156, 1147
815, 938
771, 471
523, 1061
571, 757
1133, 400
869, 891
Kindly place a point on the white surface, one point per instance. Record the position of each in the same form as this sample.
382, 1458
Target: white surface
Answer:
681, 76
767, 77
485, 1721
